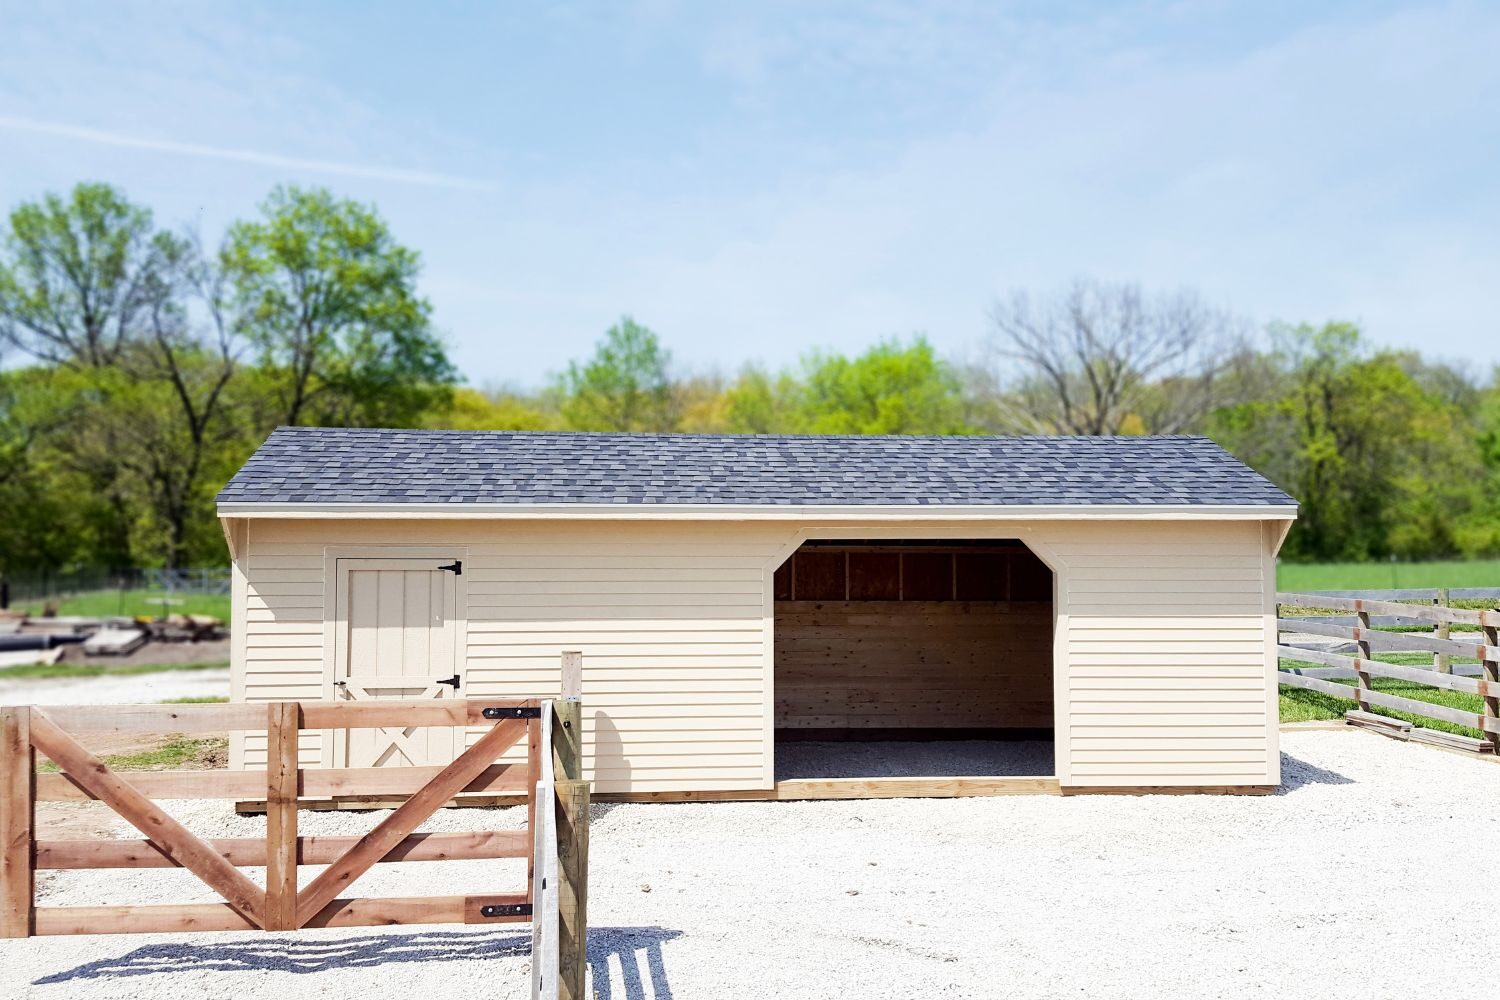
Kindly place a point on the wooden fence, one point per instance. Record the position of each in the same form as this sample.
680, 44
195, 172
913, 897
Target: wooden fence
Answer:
1366, 621
557, 862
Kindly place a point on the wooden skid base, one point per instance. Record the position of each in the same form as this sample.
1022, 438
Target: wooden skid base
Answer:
371, 912
811, 789
1170, 790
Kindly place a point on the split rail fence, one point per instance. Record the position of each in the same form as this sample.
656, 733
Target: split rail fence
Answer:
1365, 622
555, 843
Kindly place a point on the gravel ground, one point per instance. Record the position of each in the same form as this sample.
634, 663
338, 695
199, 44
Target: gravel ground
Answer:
1358, 881
130, 689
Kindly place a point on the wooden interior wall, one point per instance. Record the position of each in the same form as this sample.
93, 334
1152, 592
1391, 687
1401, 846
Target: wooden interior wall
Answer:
898, 648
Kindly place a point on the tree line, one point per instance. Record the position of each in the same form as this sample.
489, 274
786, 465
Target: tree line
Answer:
139, 368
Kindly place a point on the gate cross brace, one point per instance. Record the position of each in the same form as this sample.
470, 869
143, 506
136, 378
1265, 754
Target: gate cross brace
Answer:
379, 842
169, 836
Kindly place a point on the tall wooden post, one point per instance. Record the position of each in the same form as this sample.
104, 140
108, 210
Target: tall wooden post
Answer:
1442, 662
573, 795
1362, 684
1492, 683
284, 724
17, 824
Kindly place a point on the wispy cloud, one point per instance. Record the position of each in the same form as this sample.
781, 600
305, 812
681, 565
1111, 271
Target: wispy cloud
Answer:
233, 155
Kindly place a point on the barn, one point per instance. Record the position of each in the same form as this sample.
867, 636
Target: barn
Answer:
776, 616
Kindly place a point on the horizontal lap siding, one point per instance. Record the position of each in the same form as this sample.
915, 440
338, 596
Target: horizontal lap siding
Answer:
1166, 649
1163, 678
671, 623
670, 619
278, 652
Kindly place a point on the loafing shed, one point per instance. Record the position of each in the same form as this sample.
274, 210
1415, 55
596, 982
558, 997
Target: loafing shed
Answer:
765, 616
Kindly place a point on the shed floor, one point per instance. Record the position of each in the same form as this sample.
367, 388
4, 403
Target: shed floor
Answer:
910, 759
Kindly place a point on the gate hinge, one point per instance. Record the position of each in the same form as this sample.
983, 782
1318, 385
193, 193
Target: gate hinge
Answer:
456, 567
505, 910
512, 712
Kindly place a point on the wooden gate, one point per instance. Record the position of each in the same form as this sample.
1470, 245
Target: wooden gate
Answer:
280, 906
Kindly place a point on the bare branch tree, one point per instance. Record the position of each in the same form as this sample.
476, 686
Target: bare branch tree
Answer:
1102, 359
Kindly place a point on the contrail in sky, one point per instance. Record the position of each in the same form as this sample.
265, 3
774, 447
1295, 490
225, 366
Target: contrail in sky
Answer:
251, 156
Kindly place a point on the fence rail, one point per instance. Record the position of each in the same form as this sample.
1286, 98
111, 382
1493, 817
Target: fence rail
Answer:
1362, 629
555, 843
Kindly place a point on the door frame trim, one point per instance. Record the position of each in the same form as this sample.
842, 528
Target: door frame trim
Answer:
332, 587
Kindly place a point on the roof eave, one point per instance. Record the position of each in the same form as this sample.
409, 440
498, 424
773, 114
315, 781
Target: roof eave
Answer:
760, 512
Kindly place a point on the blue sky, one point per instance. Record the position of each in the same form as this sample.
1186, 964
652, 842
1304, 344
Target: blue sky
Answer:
756, 180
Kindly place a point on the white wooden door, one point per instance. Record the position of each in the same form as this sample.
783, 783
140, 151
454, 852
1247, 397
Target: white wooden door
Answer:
397, 638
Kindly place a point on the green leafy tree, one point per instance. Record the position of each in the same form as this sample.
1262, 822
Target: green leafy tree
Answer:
329, 299
625, 386
472, 410
77, 275
890, 389
1381, 464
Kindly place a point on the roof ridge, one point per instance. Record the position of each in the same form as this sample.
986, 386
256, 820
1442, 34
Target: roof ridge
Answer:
729, 436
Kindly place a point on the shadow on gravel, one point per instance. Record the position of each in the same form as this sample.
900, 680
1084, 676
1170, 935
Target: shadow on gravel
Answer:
1296, 773
303, 955
631, 947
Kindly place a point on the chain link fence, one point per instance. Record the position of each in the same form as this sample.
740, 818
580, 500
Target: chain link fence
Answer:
103, 592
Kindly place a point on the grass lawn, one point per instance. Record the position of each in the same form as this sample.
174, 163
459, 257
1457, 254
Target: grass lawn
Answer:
176, 752
1301, 705
1387, 576
134, 603
44, 671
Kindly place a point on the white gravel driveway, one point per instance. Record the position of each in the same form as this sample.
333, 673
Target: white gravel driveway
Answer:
127, 689
1365, 878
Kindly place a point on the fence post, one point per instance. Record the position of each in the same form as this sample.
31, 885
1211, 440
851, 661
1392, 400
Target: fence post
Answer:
573, 794
1491, 699
1362, 685
17, 824
1442, 662
283, 726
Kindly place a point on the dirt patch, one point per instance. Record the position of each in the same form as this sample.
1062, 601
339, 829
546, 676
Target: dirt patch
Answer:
74, 820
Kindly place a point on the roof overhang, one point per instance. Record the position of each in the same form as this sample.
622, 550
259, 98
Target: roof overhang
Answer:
760, 512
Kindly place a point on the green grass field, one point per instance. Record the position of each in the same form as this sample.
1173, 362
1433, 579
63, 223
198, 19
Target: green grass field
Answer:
1301, 705
177, 752
134, 603
1387, 576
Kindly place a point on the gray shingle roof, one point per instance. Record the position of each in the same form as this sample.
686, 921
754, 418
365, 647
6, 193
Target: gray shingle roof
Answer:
362, 466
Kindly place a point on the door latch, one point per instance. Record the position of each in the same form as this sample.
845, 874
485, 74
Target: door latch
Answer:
454, 681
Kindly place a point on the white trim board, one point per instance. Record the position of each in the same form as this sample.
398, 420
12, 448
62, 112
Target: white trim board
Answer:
764, 512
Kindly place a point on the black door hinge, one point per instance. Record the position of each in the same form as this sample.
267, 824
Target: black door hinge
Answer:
451, 680
506, 910
456, 567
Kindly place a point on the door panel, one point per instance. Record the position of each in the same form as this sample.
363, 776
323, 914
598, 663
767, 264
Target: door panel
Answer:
398, 623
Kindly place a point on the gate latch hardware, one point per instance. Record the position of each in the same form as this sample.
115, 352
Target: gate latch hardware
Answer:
505, 910
513, 712
456, 567
454, 681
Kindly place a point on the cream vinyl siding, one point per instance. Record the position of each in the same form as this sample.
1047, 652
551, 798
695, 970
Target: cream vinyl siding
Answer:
671, 618
1164, 632
1163, 656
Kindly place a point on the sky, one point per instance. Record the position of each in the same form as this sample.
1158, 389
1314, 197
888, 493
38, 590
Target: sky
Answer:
758, 180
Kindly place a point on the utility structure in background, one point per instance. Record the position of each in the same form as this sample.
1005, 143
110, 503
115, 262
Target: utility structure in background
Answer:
550, 779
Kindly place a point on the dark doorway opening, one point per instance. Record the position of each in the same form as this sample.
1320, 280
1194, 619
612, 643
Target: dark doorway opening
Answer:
900, 658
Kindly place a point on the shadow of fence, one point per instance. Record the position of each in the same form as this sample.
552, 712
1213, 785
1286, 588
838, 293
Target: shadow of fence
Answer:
634, 951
